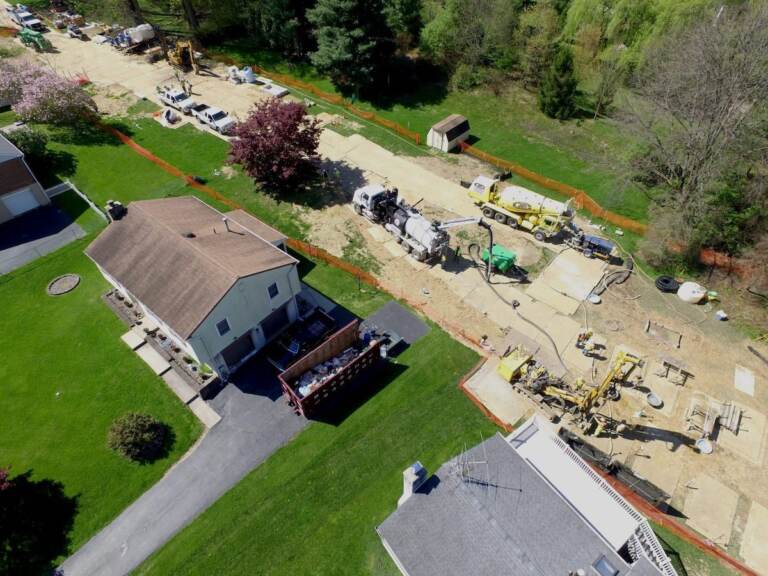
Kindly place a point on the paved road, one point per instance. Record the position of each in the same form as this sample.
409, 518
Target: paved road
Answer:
255, 422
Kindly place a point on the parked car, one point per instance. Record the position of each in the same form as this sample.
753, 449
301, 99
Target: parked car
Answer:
26, 20
214, 118
178, 99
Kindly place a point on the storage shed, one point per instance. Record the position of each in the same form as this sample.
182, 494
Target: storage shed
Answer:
446, 134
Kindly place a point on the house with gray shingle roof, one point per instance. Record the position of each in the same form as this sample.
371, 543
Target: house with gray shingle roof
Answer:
20, 191
524, 505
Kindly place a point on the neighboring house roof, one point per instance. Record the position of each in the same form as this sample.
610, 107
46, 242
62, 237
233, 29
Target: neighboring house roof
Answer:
495, 510
7, 150
256, 226
14, 174
452, 126
177, 256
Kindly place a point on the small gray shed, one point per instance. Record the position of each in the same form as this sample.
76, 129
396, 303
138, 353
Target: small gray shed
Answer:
446, 134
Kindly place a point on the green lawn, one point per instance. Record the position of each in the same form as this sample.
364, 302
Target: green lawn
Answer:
79, 211
7, 116
588, 154
312, 508
689, 560
66, 376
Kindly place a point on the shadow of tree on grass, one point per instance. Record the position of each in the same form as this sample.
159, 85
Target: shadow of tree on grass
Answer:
36, 517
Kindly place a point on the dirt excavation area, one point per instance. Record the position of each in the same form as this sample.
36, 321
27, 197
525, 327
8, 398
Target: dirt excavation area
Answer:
692, 362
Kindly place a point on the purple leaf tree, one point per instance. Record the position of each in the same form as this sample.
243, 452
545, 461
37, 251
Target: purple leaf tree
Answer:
40, 95
277, 144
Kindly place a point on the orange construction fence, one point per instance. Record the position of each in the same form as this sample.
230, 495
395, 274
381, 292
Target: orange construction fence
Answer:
340, 101
583, 200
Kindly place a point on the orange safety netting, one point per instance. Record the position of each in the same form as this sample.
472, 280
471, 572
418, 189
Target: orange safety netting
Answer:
582, 199
339, 101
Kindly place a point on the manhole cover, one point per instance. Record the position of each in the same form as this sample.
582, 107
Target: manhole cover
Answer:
63, 284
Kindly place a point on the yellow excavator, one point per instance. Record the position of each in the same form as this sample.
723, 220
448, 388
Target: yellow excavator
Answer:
521, 368
182, 55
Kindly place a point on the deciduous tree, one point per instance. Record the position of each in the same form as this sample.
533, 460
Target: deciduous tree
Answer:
277, 144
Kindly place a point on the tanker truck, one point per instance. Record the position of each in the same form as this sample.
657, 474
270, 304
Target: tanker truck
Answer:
521, 208
419, 236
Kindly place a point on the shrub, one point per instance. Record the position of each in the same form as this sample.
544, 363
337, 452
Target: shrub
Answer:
32, 142
139, 437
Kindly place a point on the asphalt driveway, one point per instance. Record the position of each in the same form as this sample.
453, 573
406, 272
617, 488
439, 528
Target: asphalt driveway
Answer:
34, 234
256, 421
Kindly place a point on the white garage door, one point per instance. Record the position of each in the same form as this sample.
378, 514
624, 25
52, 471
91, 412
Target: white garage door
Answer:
20, 202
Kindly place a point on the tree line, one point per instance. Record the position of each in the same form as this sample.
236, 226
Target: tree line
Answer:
688, 76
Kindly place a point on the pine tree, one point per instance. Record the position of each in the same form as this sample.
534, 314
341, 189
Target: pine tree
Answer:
354, 42
557, 95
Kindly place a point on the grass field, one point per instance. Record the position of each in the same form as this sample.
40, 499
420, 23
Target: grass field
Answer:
589, 154
7, 116
312, 508
66, 376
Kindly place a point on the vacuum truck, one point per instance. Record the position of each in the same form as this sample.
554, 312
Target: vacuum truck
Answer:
421, 237
520, 207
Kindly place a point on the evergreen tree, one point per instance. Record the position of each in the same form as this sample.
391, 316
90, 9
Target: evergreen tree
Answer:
557, 95
354, 42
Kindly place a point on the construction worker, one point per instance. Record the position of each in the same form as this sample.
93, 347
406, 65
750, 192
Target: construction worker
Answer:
585, 342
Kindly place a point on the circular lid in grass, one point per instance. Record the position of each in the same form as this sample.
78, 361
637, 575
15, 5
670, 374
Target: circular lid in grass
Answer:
63, 284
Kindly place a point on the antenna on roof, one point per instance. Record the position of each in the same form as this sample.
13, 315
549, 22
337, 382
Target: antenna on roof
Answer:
226, 223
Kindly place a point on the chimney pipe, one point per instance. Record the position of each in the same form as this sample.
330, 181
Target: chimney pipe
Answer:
413, 477
226, 223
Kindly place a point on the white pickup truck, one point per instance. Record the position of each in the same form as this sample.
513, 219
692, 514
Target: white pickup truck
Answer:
178, 99
25, 19
214, 118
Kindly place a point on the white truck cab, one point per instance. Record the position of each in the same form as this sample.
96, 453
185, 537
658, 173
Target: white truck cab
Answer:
177, 99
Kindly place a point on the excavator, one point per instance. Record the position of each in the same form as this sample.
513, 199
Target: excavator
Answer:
520, 367
182, 55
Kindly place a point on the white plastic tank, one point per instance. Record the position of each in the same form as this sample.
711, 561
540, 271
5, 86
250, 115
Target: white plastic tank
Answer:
522, 197
691, 292
141, 33
247, 75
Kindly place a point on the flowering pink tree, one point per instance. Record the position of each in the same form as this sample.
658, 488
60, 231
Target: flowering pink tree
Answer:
40, 95
277, 144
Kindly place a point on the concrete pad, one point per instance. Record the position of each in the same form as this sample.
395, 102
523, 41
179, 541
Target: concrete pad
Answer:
204, 413
176, 382
497, 395
710, 507
750, 440
394, 248
379, 234
157, 363
563, 331
664, 389
416, 265
574, 358
661, 466
744, 380
572, 274
133, 340
541, 291
753, 548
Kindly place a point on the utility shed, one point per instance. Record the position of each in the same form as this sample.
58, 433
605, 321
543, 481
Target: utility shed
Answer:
525, 505
446, 134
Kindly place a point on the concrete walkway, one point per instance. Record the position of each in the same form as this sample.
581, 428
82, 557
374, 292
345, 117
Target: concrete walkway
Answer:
256, 421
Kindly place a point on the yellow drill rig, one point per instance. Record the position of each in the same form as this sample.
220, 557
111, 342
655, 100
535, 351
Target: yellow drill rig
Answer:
521, 368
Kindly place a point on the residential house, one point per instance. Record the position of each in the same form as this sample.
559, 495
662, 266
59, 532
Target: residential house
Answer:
20, 191
220, 286
526, 505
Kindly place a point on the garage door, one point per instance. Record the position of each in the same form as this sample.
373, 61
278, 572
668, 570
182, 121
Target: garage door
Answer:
19, 202
239, 349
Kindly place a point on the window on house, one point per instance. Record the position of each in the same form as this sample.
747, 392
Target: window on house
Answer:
223, 327
273, 291
604, 567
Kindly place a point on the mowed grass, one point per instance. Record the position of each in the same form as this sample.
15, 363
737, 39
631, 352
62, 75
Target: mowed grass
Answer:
313, 507
70, 345
7, 116
588, 154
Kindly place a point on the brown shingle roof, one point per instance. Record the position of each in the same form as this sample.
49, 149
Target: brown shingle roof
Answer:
178, 258
448, 123
14, 174
256, 226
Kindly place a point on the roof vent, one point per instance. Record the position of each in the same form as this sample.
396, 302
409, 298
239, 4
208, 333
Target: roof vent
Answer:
189, 235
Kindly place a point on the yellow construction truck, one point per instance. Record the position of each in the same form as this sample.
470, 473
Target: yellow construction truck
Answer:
520, 207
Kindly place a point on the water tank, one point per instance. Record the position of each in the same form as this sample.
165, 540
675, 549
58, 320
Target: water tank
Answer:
141, 33
421, 230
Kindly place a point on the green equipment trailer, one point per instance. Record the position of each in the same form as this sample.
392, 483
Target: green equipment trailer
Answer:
34, 39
